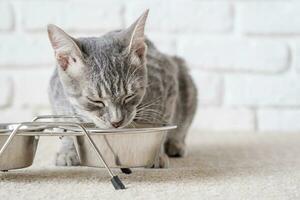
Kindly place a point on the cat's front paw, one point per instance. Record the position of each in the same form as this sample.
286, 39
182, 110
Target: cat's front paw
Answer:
67, 158
175, 148
161, 162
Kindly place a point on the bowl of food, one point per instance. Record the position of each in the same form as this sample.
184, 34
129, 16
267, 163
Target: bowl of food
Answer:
122, 148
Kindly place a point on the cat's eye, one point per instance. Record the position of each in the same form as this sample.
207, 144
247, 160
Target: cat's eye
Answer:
128, 98
96, 102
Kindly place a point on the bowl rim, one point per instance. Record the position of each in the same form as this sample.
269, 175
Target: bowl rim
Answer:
75, 131
130, 130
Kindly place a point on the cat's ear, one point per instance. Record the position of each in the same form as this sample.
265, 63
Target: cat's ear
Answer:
66, 51
136, 37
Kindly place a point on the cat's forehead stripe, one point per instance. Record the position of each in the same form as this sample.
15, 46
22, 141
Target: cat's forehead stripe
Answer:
103, 91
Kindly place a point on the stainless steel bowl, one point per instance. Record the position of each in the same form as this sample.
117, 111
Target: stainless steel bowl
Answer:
123, 148
21, 151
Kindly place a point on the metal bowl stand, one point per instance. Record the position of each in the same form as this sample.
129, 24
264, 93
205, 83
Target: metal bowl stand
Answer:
115, 180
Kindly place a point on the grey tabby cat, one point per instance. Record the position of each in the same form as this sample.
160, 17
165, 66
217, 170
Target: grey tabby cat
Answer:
121, 80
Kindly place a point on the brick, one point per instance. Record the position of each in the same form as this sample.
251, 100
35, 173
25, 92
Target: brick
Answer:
224, 119
7, 18
296, 56
36, 15
165, 43
269, 17
25, 50
209, 87
279, 120
260, 90
30, 87
182, 16
6, 88
15, 115
235, 54
93, 16
73, 16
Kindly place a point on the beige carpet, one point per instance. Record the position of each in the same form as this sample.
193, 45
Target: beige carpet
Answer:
218, 166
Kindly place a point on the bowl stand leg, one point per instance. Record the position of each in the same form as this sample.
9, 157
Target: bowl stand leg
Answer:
117, 183
126, 170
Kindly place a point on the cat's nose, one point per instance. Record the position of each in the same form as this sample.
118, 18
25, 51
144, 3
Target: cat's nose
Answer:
117, 124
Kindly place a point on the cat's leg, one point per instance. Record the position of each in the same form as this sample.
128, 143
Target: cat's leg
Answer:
162, 160
175, 144
67, 154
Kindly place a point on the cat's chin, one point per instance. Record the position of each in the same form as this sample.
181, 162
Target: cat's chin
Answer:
110, 127
107, 126
100, 124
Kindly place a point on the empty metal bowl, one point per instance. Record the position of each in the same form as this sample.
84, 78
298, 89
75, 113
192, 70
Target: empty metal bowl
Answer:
120, 148
123, 148
20, 152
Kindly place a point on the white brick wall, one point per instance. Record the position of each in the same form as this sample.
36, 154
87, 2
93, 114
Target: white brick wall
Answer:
7, 18
234, 54
73, 16
224, 119
296, 49
6, 91
188, 16
30, 87
25, 50
262, 90
269, 17
244, 55
209, 86
35, 15
279, 120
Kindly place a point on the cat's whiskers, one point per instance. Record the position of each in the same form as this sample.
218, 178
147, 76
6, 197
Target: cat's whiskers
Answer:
149, 103
150, 115
134, 124
149, 111
150, 121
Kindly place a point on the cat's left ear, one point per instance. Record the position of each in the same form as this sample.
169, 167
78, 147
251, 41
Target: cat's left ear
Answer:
67, 53
136, 37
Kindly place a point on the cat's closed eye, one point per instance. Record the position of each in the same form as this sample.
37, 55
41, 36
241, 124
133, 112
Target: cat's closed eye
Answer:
128, 98
98, 102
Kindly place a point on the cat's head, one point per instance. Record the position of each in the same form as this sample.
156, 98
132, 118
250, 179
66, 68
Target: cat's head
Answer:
104, 78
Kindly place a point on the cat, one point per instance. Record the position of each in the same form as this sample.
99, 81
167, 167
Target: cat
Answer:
121, 80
